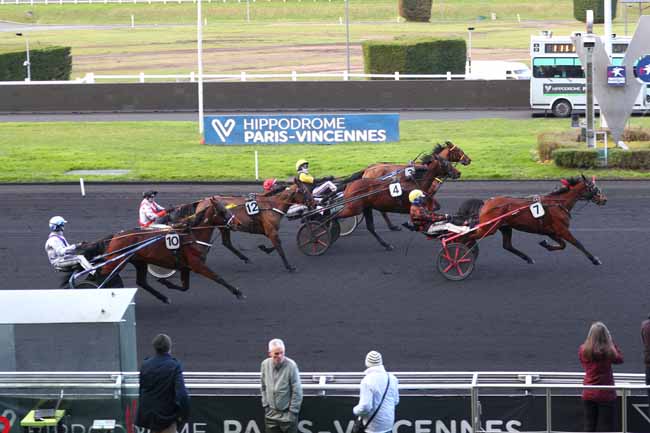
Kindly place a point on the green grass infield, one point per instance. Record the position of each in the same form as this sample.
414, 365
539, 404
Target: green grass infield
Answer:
171, 151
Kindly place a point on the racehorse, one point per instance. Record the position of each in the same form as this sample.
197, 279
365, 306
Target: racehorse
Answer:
363, 195
554, 223
263, 217
194, 235
449, 151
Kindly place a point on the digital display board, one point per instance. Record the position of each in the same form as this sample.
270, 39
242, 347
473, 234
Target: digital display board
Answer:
560, 48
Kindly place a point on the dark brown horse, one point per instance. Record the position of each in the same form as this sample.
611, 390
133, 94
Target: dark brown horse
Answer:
448, 151
364, 195
264, 218
183, 246
554, 222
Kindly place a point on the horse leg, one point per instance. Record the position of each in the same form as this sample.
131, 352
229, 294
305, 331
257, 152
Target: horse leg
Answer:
550, 247
370, 225
506, 233
141, 280
267, 250
277, 245
389, 223
226, 242
567, 236
200, 268
185, 279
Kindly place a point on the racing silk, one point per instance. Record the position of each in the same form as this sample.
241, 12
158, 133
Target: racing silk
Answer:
306, 178
57, 247
422, 218
149, 211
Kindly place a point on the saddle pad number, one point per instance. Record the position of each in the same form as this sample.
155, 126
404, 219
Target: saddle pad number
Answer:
252, 208
172, 241
409, 172
395, 189
537, 210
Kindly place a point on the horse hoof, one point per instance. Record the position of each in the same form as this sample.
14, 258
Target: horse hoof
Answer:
240, 295
530, 261
291, 269
395, 228
167, 301
389, 247
596, 261
544, 244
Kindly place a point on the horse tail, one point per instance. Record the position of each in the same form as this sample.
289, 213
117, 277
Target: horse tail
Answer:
469, 210
354, 176
94, 249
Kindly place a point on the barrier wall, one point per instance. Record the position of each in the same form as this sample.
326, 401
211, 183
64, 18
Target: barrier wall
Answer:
267, 96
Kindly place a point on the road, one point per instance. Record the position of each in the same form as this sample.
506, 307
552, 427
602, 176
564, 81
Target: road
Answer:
507, 316
188, 117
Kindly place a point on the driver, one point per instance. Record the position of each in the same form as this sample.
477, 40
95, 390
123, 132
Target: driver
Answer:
60, 253
427, 221
151, 212
325, 187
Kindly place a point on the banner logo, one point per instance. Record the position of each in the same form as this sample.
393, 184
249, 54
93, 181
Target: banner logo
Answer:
223, 130
616, 75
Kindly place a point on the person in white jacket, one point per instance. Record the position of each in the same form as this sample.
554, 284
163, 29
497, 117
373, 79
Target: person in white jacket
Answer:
60, 253
151, 214
376, 382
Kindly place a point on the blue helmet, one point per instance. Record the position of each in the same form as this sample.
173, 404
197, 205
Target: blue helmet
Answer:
57, 223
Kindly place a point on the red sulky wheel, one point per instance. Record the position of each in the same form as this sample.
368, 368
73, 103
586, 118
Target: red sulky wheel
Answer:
314, 238
455, 261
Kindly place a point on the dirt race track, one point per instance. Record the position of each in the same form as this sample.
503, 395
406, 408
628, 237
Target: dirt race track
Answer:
507, 316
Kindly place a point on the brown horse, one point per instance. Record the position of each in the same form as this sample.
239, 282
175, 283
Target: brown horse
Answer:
185, 250
449, 151
554, 222
363, 195
263, 218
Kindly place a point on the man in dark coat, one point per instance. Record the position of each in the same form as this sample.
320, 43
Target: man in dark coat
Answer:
164, 401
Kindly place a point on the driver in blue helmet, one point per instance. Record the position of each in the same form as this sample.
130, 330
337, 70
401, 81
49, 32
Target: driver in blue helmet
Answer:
61, 254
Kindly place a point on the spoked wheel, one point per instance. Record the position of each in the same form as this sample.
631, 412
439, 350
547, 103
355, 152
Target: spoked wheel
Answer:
314, 238
348, 225
455, 261
473, 246
160, 272
335, 230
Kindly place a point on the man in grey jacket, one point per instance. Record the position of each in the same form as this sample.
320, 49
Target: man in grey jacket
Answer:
281, 390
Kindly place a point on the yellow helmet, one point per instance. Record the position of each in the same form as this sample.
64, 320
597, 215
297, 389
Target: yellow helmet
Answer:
415, 194
301, 162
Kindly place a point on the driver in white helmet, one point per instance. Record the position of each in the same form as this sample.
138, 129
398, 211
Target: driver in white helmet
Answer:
427, 221
60, 253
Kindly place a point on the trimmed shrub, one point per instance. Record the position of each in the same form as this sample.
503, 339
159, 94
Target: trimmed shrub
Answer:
52, 63
576, 158
423, 56
580, 8
547, 142
638, 159
415, 10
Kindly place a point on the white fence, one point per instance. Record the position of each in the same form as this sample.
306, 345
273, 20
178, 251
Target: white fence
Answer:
59, 2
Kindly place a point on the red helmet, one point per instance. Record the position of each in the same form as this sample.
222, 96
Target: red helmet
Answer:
268, 184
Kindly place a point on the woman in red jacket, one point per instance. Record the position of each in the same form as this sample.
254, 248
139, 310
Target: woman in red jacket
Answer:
597, 354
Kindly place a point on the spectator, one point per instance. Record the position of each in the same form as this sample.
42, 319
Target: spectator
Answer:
281, 390
163, 401
597, 354
645, 337
378, 396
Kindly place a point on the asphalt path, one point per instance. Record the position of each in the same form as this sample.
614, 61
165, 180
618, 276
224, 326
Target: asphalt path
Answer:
508, 316
189, 116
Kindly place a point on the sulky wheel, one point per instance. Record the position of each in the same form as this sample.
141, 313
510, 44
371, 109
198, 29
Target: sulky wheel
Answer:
314, 238
335, 230
455, 261
160, 272
348, 225
473, 245
87, 284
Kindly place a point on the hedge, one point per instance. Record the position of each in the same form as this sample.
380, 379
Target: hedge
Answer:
638, 159
422, 56
580, 8
52, 63
415, 10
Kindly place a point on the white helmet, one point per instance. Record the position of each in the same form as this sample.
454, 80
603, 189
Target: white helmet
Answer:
57, 223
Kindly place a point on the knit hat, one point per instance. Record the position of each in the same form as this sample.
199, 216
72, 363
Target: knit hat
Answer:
373, 359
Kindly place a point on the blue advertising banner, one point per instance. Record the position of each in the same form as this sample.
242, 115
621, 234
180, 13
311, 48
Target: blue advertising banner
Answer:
302, 129
616, 75
643, 69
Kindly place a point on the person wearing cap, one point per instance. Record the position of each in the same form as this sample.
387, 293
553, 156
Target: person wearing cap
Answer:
376, 385
281, 390
645, 338
323, 187
150, 211
61, 254
428, 221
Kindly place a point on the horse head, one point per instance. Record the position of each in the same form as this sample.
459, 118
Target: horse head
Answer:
456, 154
592, 192
444, 168
221, 215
